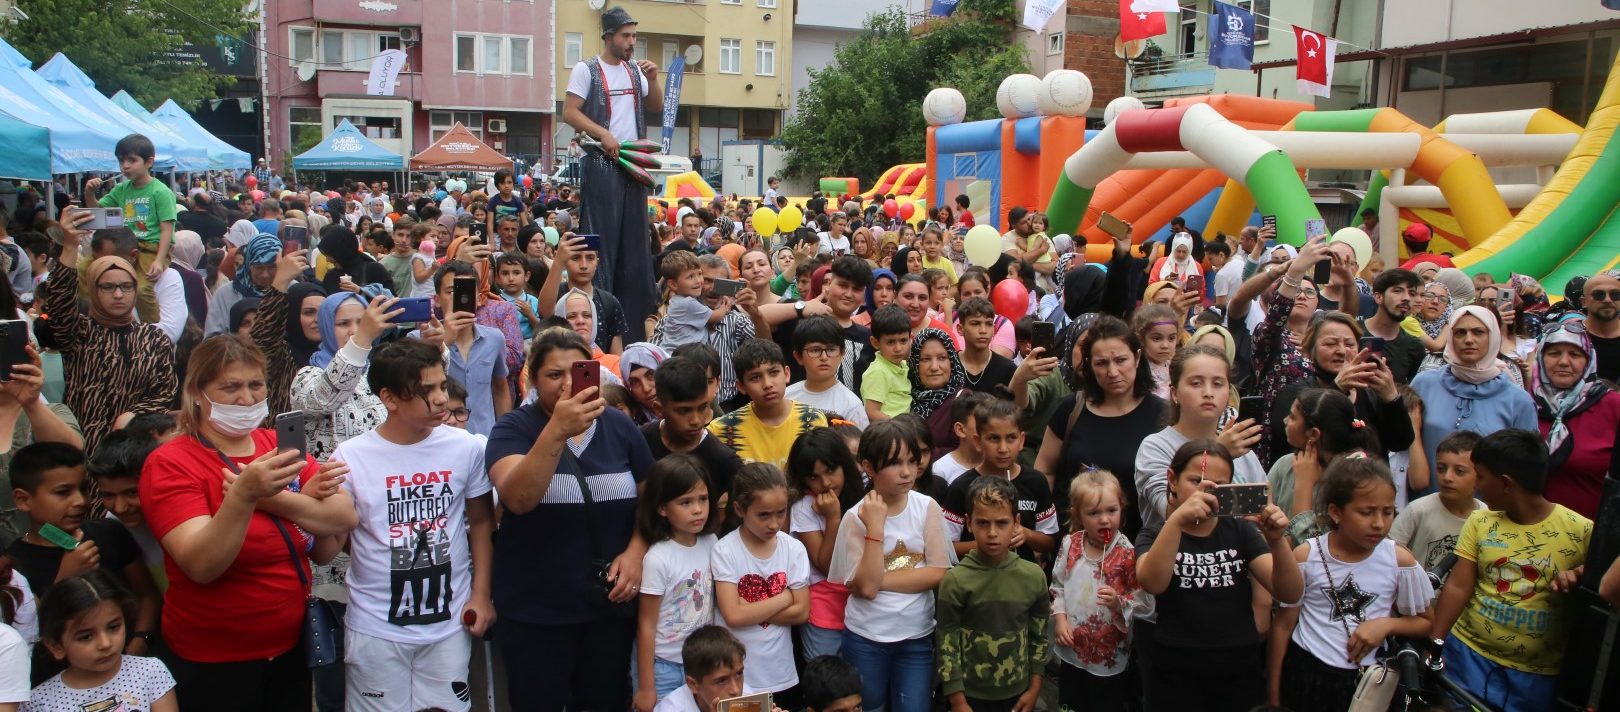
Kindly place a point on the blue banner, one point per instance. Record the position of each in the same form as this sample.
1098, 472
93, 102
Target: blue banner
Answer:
672, 97
941, 8
1231, 37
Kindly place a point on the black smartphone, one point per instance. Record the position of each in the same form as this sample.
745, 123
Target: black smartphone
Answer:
463, 298
1240, 500
583, 375
13, 345
417, 309
1043, 335
477, 231
294, 237
1269, 221
727, 287
592, 242
1373, 344
1322, 273
1252, 408
290, 432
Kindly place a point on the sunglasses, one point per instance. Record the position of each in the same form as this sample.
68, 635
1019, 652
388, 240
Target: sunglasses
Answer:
1605, 295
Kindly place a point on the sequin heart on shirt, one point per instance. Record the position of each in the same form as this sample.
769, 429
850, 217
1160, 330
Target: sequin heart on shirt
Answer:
754, 587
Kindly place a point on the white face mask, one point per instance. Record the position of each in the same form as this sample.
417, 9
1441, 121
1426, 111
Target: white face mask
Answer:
237, 420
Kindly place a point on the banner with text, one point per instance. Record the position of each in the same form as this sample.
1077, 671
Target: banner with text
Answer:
1231, 37
672, 97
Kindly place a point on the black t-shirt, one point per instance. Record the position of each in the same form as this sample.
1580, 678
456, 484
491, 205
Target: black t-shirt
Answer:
1107, 444
207, 225
1608, 356
499, 207
1207, 604
995, 377
1404, 354
1035, 511
40, 563
722, 461
858, 353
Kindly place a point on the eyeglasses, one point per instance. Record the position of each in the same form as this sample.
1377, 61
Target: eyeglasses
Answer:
1605, 295
460, 415
821, 351
1308, 293
1435, 295
1573, 326
125, 287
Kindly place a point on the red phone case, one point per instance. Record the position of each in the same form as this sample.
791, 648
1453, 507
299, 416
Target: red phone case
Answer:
585, 374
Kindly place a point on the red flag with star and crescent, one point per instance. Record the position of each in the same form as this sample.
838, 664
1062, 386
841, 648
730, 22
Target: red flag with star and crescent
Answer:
1314, 61
1138, 25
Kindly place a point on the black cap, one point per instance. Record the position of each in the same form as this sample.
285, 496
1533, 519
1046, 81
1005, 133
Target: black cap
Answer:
614, 18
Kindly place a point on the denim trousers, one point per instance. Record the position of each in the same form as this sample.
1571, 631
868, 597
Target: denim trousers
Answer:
899, 675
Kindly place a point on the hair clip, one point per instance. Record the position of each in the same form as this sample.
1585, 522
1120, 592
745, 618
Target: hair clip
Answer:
1203, 463
1358, 423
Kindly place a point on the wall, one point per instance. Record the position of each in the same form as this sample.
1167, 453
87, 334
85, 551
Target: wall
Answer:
813, 48
1409, 23
1355, 26
1088, 46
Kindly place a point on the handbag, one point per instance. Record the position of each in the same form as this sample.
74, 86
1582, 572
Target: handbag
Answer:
322, 645
1376, 684
601, 564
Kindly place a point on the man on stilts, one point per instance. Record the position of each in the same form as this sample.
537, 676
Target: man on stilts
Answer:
605, 102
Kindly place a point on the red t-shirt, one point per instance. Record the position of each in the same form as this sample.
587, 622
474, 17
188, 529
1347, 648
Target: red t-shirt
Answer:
255, 609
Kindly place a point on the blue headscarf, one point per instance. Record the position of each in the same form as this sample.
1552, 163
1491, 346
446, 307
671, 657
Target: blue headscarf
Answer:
327, 321
878, 274
263, 249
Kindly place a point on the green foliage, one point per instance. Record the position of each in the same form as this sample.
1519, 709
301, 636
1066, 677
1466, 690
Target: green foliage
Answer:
863, 112
126, 45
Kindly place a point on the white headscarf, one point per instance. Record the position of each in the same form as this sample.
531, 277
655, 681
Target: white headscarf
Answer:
240, 233
1487, 367
1174, 269
562, 310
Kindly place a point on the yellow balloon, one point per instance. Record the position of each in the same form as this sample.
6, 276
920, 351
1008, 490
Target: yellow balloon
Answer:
982, 245
790, 219
765, 221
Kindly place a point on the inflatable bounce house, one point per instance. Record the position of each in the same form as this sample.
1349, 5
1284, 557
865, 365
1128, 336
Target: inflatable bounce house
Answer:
1219, 160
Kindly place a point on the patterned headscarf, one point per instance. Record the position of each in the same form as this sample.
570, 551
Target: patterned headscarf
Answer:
925, 400
641, 354
1561, 405
1066, 340
263, 249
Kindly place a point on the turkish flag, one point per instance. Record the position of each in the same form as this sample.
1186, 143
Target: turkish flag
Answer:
1135, 25
1312, 54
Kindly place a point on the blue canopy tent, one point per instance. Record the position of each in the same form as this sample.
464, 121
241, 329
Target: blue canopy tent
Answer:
221, 155
25, 149
173, 151
80, 141
346, 149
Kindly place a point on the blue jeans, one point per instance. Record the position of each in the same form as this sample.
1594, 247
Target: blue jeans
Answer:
1500, 687
900, 674
818, 641
667, 676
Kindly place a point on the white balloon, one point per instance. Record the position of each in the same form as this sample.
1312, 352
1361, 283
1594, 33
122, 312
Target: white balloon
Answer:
1120, 106
1065, 92
1018, 96
944, 106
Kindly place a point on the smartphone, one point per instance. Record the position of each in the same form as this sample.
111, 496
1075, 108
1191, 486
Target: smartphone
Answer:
290, 432
1373, 344
1240, 500
583, 375
1112, 225
752, 703
1043, 335
727, 287
13, 345
592, 242
294, 237
463, 298
1252, 408
1504, 298
417, 309
1195, 283
55, 535
1269, 221
103, 218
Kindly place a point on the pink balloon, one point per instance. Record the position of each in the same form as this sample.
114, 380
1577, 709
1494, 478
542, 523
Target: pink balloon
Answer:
1011, 299
258, 195
891, 208
251, 182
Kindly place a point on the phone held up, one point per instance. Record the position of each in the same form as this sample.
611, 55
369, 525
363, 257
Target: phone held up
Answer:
13, 345
1043, 335
463, 298
290, 432
1314, 228
583, 375
1240, 500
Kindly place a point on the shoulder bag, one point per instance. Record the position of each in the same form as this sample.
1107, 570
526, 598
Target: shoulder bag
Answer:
601, 562
1376, 684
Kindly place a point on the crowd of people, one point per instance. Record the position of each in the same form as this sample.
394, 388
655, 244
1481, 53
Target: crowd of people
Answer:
842, 468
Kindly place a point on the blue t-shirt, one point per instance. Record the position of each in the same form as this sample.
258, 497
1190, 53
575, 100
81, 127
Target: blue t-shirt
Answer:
523, 321
266, 226
545, 567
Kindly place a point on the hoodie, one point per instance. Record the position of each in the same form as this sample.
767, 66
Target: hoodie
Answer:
991, 623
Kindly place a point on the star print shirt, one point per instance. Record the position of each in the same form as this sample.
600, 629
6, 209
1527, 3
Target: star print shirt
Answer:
913, 537
1514, 618
1340, 596
768, 666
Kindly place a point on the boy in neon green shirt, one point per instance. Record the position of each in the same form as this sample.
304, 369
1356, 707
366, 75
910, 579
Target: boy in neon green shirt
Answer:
149, 212
886, 385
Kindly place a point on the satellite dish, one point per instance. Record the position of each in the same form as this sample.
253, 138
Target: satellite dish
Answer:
596, 4
306, 70
694, 54
1128, 50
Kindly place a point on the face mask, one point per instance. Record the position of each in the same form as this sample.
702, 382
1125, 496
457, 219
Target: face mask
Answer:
237, 420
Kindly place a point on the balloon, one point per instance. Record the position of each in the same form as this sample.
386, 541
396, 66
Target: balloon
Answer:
1010, 297
669, 217
890, 208
258, 195
906, 211
552, 238
251, 182
687, 190
983, 246
791, 219
765, 221
528, 181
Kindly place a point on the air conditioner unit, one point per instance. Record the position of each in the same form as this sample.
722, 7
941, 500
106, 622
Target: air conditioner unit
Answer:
497, 126
410, 35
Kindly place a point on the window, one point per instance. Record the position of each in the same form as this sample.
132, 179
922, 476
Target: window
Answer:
573, 48
495, 54
671, 48
440, 123
1054, 43
301, 40
332, 49
641, 49
1262, 18
767, 3
765, 58
303, 127
353, 49
730, 2
730, 56
372, 126
1189, 28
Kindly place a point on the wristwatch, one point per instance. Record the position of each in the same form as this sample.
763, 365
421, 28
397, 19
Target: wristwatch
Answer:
145, 635
798, 308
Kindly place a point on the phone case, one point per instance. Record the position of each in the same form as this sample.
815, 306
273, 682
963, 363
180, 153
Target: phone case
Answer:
290, 431
586, 374
751, 703
1239, 500
58, 537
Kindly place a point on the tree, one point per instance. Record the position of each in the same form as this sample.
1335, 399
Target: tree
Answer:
862, 113
128, 45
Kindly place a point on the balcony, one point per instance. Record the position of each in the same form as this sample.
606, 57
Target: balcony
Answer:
671, 17
1172, 75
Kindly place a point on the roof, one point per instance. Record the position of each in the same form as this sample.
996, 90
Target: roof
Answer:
348, 149
459, 150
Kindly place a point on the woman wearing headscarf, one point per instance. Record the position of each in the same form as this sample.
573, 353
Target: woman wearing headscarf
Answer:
240, 234
879, 293
342, 248
1178, 265
243, 314
332, 390
256, 265
184, 256
377, 210
1473, 392
493, 310
937, 379
111, 364
637, 363
1578, 414
579, 310
907, 260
